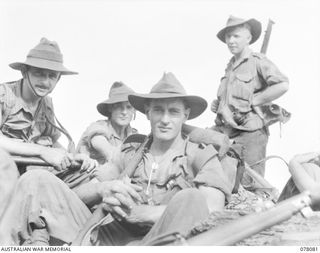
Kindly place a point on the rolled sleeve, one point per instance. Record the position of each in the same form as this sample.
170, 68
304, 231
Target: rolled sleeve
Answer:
98, 128
210, 171
270, 72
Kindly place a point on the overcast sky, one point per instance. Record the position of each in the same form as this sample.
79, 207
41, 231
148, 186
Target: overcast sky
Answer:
136, 41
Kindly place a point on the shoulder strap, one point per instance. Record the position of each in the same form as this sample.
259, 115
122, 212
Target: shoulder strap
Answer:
201, 157
71, 145
137, 157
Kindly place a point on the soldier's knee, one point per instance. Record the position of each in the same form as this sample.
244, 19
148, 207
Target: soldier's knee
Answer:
190, 196
37, 176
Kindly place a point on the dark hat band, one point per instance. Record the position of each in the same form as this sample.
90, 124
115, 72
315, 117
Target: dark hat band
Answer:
46, 55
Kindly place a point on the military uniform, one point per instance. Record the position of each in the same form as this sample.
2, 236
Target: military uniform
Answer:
172, 181
20, 123
105, 129
236, 117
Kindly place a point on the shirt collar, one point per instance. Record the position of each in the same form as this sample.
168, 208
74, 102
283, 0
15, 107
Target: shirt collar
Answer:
19, 103
247, 55
113, 133
178, 149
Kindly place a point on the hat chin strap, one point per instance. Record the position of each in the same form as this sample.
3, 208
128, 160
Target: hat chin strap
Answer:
32, 88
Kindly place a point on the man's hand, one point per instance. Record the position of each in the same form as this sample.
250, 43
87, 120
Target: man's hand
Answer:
57, 157
119, 197
215, 105
306, 158
87, 164
144, 214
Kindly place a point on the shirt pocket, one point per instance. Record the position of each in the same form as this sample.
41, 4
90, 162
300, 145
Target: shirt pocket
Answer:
242, 92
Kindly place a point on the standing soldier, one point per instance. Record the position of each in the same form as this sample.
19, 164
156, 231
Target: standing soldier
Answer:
250, 82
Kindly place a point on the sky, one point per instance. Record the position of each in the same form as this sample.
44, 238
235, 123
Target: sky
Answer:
136, 41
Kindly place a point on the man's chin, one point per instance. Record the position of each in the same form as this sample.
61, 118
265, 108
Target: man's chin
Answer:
164, 136
42, 93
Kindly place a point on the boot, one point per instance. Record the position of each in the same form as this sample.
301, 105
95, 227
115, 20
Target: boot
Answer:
39, 237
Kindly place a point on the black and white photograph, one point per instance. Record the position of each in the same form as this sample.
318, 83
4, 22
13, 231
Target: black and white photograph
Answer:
159, 123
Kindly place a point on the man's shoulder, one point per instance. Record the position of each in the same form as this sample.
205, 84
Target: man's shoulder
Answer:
8, 92
9, 86
133, 142
258, 55
200, 154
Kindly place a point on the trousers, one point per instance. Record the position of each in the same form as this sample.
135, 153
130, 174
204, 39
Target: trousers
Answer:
183, 212
254, 149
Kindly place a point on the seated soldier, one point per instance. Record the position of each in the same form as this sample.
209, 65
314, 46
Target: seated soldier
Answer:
8, 177
103, 138
27, 120
305, 176
175, 183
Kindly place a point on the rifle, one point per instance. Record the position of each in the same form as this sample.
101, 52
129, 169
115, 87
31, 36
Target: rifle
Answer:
237, 230
35, 161
266, 38
72, 176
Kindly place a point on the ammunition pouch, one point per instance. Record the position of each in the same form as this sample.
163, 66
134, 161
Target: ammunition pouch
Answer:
272, 113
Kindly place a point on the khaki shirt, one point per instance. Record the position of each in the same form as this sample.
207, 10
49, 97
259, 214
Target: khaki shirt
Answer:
18, 121
103, 128
252, 75
177, 169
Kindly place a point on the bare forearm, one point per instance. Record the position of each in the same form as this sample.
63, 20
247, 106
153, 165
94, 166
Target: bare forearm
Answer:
270, 94
89, 193
15, 147
301, 177
157, 213
145, 214
103, 147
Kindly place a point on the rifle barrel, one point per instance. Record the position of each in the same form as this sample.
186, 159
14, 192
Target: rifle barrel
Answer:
35, 161
22, 160
266, 38
239, 229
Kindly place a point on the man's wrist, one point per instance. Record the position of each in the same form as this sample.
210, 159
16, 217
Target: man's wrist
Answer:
42, 150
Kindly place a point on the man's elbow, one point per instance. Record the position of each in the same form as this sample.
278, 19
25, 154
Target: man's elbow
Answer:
283, 87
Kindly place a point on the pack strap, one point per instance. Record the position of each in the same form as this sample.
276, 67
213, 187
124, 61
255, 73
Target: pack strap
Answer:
71, 145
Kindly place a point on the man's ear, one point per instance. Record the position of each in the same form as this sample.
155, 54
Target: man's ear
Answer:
186, 114
147, 110
249, 37
24, 72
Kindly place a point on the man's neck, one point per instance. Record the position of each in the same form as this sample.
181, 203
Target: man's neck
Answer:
243, 54
120, 130
160, 147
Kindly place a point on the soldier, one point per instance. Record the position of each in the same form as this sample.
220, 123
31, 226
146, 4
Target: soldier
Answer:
179, 178
27, 121
103, 138
250, 81
174, 183
305, 176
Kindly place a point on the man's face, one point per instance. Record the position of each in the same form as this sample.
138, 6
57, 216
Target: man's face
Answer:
166, 117
238, 39
43, 81
122, 113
